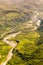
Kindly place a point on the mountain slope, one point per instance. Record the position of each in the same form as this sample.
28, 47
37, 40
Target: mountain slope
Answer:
18, 3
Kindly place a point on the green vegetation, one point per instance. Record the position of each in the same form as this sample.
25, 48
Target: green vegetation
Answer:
29, 51
13, 19
4, 48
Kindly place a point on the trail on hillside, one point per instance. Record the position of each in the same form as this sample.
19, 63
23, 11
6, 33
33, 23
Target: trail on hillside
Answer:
37, 22
11, 44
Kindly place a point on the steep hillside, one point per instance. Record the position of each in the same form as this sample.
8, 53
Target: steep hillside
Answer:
18, 3
19, 14
25, 17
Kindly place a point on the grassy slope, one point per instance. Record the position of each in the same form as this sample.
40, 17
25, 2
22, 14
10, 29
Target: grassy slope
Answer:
4, 48
30, 47
13, 20
29, 50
